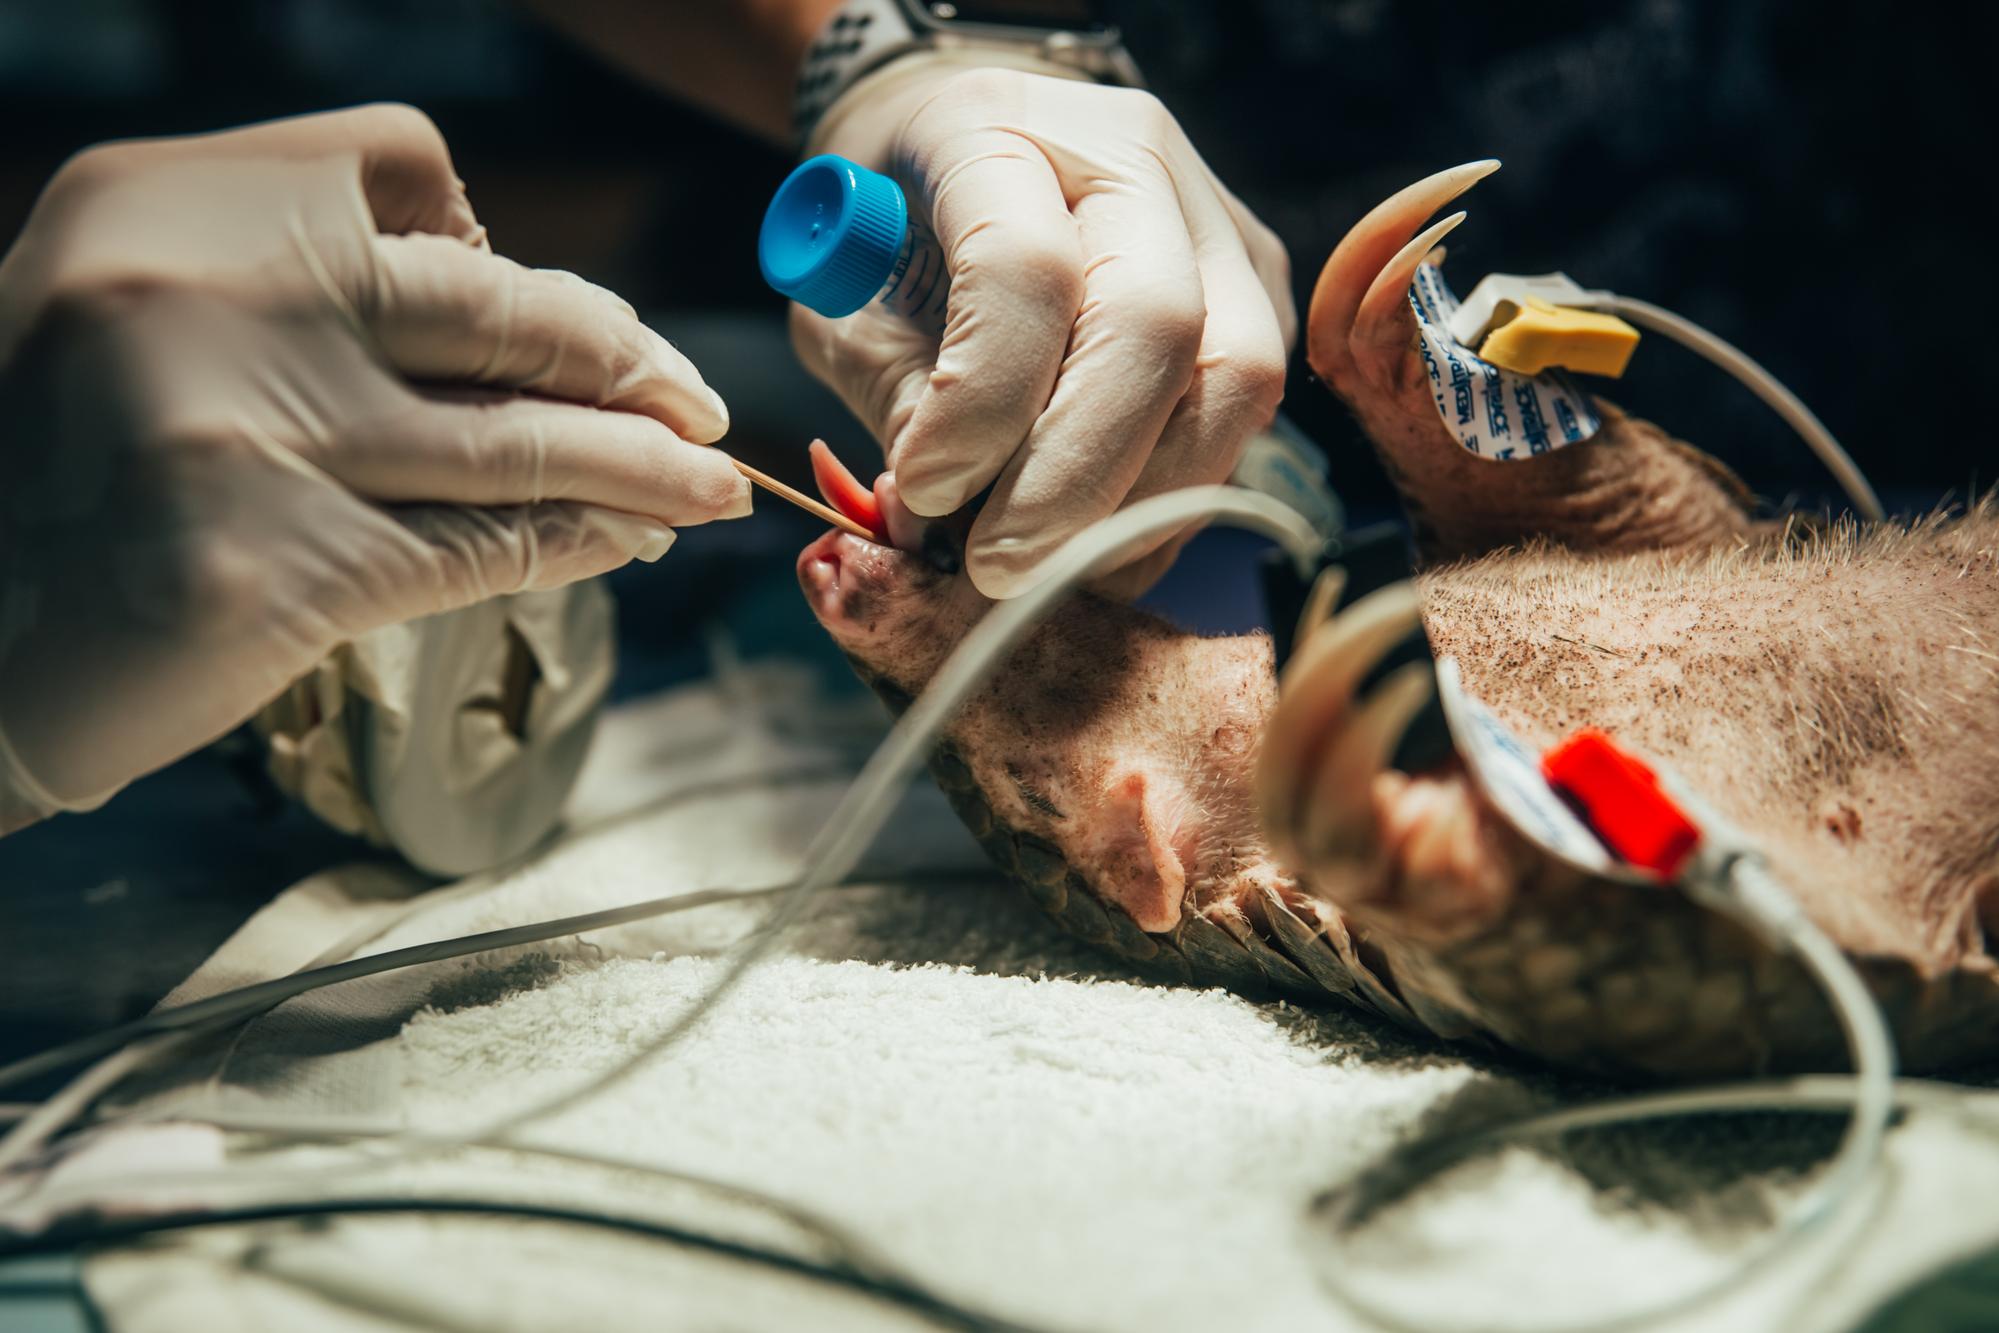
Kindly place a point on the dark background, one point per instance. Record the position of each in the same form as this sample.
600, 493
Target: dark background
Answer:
1800, 177
1796, 175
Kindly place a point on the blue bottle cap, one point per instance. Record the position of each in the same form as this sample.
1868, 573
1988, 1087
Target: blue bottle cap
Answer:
832, 234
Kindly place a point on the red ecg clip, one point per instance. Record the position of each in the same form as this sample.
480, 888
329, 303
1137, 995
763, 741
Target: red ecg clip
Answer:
1622, 801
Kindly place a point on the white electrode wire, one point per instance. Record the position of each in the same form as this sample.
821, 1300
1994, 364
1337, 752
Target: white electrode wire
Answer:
164, 1030
1826, 1093
245, 1001
834, 852
298, 1129
1759, 382
218, 1010
48, 1118
38, 1123
848, 1251
1867, 1038
1871, 1094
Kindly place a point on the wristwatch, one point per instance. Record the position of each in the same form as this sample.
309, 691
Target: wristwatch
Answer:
864, 35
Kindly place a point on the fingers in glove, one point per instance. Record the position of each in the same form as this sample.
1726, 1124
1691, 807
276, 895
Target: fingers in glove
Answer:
876, 361
443, 312
1132, 355
461, 555
477, 448
1265, 251
1016, 286
406, 170
1237, 382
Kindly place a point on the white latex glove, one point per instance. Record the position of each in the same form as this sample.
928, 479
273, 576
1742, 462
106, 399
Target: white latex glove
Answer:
240, 425
1118, 326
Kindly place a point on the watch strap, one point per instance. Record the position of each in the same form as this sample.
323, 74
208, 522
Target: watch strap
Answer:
864, 35
861, 36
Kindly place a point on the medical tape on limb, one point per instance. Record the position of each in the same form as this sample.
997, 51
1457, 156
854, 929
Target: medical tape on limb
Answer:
1508, 772
1494, 413
1514, 779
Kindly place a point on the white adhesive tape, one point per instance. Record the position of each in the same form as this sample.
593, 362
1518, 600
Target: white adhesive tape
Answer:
1494, 413
1509, 774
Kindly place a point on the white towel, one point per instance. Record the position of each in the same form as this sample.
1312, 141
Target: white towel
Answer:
1014, 1120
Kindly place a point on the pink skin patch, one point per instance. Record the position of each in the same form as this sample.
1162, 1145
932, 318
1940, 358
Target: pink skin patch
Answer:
819, 568
885, 605
843, 576
1143, 827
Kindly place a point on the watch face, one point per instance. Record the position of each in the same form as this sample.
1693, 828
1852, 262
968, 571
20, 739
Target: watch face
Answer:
1064, 15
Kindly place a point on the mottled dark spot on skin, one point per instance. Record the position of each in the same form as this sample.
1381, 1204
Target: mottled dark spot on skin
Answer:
1230, 736
940, 550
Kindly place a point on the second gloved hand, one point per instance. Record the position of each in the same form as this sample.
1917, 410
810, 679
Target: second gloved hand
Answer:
268, 390
1119, 323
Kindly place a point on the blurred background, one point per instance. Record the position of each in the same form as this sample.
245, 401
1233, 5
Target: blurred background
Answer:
1797, 175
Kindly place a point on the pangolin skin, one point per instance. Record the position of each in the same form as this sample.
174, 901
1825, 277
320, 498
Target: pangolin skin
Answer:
1832, 690
1807, 687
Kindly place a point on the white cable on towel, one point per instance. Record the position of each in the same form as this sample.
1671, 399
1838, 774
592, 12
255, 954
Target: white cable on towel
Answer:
132, 1045
247, 1001
1759, 382
1757, 896
137, 1043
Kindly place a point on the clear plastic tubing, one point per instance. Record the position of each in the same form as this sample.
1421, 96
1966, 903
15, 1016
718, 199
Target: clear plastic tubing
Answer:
838, 236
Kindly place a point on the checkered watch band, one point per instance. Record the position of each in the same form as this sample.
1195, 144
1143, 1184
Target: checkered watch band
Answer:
862, 35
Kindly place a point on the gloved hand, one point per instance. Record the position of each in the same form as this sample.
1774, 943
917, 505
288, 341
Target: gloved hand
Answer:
264, 391
1118, 326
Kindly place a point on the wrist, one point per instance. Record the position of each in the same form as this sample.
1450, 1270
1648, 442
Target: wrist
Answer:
865, 39
873, 108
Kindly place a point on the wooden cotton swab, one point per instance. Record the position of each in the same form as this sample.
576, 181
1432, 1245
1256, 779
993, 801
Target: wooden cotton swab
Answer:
803, 501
